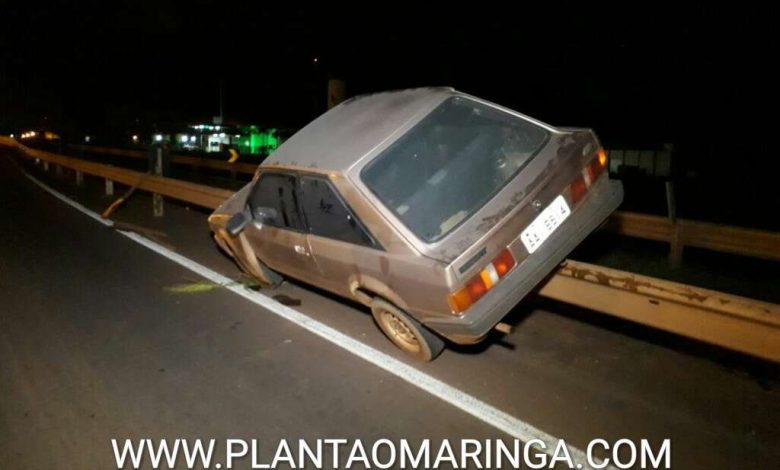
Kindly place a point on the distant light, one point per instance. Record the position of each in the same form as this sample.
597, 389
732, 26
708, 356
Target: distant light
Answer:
222, 134
158, 138
316, 60
87, 138
184, 138
216, 127
135, 138
32, 133
192, 138
12, 136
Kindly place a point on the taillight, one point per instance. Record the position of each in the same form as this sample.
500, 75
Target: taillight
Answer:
478, 285
579, 187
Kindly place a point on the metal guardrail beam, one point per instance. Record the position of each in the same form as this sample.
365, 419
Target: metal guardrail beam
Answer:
198, 194
737, 323
239, 167
722, 238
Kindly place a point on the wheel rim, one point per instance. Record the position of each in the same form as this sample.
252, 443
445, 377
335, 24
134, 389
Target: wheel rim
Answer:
399, 332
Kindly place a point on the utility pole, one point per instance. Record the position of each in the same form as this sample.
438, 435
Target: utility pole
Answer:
221, 110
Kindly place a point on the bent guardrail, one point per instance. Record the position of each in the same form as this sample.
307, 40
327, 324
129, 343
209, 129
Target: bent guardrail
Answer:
737, 323
681, 233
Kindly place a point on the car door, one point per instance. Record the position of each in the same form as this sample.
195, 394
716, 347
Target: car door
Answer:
277, 232
339, 242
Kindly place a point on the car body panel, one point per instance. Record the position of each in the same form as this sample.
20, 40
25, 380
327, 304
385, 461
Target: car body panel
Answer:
415, 275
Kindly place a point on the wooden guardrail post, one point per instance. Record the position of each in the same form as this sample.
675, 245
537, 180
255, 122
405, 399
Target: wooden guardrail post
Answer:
109, 187
58, 170
157, 200
79, 178
45, 165
676, 250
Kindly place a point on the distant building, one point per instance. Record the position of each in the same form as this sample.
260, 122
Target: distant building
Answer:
248, 140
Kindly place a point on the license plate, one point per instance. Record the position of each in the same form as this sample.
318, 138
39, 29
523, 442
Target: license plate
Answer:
545, 224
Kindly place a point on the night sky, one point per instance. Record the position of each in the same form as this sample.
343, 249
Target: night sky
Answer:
699, 77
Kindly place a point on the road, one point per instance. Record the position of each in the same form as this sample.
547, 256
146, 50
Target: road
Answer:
94, 345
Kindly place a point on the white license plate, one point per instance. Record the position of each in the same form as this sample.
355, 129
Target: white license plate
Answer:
545, 224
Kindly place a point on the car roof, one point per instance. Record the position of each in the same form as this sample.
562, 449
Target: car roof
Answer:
345, 134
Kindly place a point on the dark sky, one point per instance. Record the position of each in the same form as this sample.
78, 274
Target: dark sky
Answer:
697, 76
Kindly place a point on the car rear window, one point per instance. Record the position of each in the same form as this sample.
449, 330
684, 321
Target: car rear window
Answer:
450, 164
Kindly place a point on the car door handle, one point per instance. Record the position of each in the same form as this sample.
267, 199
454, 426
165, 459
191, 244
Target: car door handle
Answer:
301, 250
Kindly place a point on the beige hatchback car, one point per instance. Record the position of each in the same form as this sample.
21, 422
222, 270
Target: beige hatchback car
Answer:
438, 210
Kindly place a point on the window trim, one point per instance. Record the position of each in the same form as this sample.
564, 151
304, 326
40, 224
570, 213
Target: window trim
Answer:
296, 192
374, 243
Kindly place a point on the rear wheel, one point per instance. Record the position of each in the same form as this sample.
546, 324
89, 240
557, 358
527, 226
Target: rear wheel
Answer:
405, 332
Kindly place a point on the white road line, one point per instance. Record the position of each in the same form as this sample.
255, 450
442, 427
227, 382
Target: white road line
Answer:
477, 408
67, 200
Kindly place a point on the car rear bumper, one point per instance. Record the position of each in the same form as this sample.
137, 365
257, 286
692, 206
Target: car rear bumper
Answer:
603, 198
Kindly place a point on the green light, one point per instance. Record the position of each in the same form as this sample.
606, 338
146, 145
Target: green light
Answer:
259, 142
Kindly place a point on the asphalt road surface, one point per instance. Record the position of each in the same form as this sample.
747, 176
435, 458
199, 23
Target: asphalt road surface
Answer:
95, 345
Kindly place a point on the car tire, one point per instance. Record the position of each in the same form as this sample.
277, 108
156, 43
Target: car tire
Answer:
406, 332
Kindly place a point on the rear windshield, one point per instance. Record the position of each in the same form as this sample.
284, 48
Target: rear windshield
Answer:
450, 164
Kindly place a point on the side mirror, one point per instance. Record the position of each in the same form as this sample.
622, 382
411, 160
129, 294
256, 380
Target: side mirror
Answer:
236, 224
265, 214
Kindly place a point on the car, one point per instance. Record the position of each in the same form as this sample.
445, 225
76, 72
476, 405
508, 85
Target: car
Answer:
438, 210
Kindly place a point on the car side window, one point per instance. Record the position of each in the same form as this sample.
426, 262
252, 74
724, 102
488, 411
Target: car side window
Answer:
275, 199
328, 216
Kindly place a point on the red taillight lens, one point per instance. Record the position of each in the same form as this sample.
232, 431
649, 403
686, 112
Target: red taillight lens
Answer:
481, 283
579, 187
504, 262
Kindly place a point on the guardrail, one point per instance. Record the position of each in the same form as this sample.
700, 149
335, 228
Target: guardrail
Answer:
238, 167
733, 322
738, 323
198, 194
722, 238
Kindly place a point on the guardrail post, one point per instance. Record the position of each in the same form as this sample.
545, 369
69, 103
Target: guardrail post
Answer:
676, 249
109, 187
157, 200
57, 170
45, 165
79, 178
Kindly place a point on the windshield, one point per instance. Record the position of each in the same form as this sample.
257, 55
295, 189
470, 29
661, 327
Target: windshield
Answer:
450, 164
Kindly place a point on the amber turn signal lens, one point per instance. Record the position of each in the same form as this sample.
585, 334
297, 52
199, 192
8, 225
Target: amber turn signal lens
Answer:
602, 157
